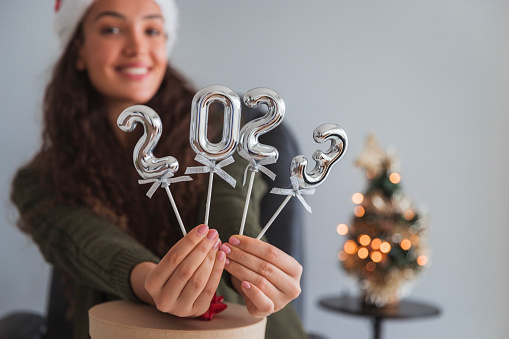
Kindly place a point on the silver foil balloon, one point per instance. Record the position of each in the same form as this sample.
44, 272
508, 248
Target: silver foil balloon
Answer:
324, 160
147, 165
249, 147
199, 122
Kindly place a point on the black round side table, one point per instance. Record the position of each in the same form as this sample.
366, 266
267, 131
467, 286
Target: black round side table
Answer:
406, 309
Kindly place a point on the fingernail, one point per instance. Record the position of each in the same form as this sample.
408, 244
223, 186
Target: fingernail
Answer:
212, 234
225, 249
227, 261
203, 229
234, 241
216, 245
246, 285
221, 255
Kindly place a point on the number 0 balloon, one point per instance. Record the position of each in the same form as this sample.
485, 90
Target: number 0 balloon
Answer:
208, 153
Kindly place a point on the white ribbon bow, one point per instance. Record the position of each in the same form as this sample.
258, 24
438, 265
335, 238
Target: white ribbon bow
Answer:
165, 181
212, 167
256, 166
296, 191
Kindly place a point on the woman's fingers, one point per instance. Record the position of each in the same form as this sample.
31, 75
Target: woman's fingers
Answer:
184, 272
202, 303
268, 253
274, 274
162, 272
261, 304
195, 285
241, 272
175, 276
257, 270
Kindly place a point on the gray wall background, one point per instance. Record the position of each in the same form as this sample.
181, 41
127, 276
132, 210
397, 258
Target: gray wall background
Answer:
428, 77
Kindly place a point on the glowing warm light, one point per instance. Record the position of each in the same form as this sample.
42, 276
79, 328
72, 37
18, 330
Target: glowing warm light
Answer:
370, 174
409, 214
363, 253
350, 247
395, 177
357, 198
385, 247
364, 239
370, 266
405, 244
375, 244
414, 239
376, 256
342, 229
359, 211
422, 260
342, 255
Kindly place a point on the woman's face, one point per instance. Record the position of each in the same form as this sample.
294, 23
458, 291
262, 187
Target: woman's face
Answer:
124, 50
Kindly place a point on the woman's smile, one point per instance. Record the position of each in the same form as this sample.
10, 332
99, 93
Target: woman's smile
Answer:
134, 71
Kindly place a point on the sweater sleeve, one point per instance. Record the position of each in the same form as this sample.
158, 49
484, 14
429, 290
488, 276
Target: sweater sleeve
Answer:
88, 247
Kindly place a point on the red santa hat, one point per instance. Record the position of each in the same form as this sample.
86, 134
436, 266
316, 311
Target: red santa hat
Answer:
69, 13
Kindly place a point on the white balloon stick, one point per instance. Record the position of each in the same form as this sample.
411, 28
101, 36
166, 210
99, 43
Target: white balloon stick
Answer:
246, 204
183, 229
288, 197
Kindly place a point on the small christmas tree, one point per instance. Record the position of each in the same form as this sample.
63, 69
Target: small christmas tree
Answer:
385, 246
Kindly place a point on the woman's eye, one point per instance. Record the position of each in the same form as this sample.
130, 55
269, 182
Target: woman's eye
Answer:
110, 30
153, 32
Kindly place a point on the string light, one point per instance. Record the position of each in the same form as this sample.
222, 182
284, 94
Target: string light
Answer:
375, 244
364, 239
370, 174
350, 247
409, 214
370, 266
357, 198
359, 211
405, 244
414, 239
363, 253
376, 256
395, 178
342, 255
422, 260
385, 247
342, 229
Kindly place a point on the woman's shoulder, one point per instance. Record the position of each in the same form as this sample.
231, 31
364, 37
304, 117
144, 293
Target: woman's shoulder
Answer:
28, 173
29, 182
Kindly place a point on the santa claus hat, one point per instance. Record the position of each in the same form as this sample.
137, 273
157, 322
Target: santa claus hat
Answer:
69, 13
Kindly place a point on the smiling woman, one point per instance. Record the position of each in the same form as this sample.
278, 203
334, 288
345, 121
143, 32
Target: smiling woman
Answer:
124, 51
79, 197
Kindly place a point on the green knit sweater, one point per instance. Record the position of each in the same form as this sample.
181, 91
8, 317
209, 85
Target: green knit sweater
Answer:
99, 256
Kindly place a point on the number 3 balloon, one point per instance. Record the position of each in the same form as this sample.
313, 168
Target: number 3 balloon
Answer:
304, 182
323, 160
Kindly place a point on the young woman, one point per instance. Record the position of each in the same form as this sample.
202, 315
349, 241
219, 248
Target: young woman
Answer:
80, 201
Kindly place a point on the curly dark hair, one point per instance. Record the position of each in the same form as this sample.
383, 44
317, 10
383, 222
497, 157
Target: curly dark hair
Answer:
85, 164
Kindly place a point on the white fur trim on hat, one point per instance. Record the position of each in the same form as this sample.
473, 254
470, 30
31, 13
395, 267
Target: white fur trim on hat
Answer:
69, 14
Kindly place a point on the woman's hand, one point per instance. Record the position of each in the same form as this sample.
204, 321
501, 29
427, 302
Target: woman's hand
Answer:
265, 276
185, 280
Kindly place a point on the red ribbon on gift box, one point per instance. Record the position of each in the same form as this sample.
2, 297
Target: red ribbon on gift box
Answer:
216, 306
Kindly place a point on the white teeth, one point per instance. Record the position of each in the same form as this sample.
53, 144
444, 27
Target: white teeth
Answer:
135, 70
